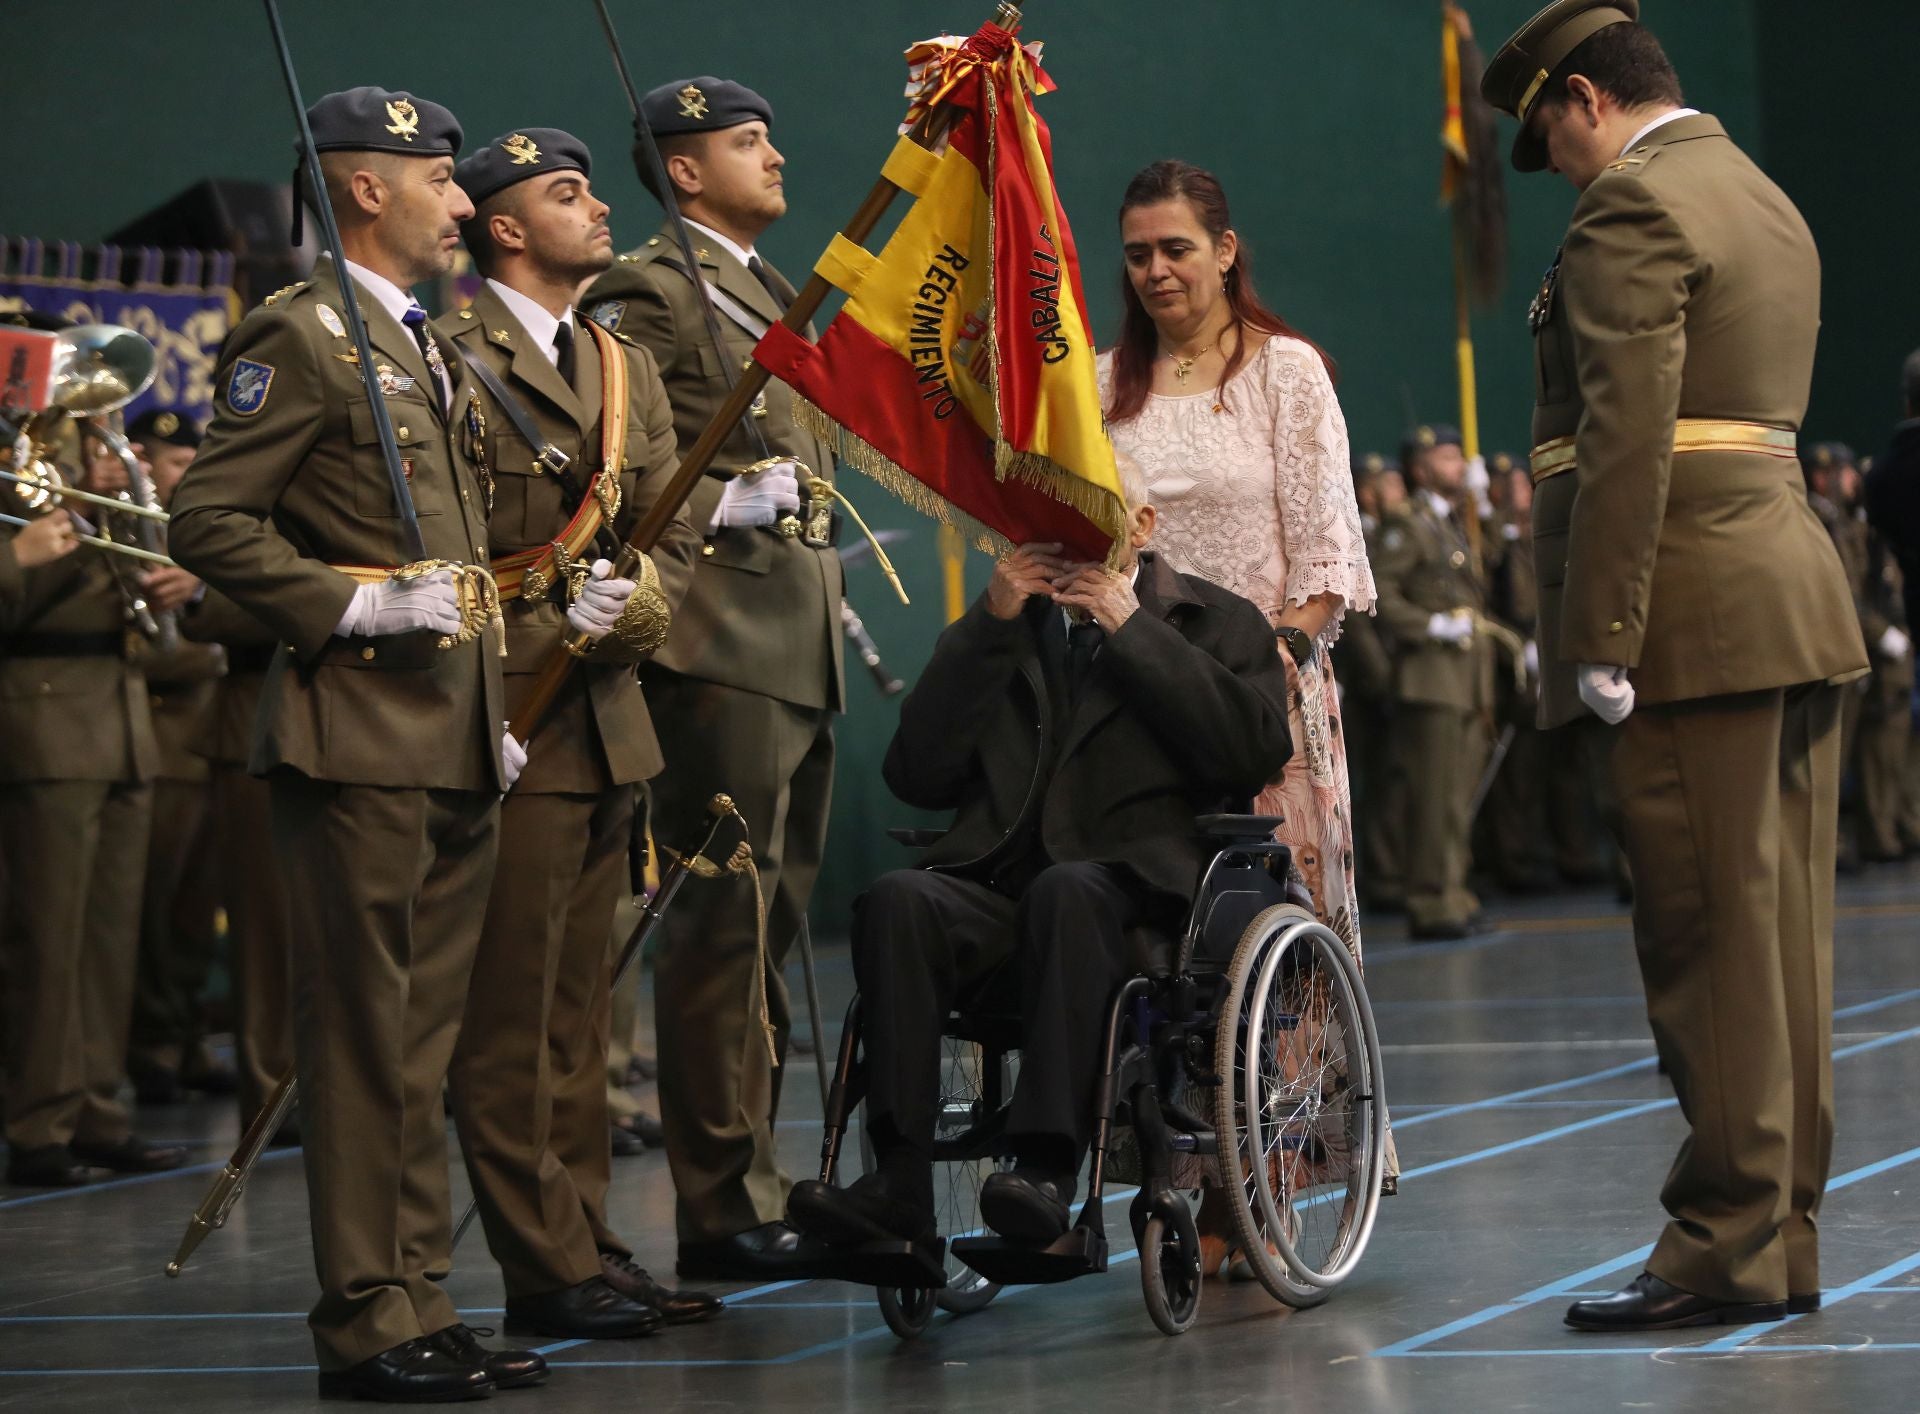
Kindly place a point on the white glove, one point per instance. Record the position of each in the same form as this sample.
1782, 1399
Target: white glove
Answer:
1530, 659
601, 600
513, 756
759, 499
1455, 628
1894, 644
1479, 485
1607, 691
401, 606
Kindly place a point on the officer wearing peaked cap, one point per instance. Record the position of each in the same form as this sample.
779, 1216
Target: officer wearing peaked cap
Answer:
745, 689
379, 730
1689, 597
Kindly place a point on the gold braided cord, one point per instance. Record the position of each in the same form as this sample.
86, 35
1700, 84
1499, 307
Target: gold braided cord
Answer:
474, 588
741, 862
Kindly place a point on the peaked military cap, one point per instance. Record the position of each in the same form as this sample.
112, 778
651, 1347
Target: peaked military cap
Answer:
380, 120
1520, 70
163, 425
1430, 435
513, 157
703, 105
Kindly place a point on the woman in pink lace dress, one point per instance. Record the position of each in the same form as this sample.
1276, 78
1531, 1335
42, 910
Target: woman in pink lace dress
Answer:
1233, 418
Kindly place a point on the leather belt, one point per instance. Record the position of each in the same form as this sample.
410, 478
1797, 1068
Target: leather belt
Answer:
1690, 434
251, 657
66, 645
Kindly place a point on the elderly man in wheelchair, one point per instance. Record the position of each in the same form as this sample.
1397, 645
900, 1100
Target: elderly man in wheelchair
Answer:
1092, 911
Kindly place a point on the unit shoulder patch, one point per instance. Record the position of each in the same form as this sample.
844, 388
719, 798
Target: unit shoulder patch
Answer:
608, 313
247, 386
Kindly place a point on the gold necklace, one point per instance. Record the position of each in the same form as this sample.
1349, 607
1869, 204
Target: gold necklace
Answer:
1183, 367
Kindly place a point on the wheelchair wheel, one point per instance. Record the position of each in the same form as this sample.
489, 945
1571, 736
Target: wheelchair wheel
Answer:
906, 1309
969, 1099
1300, 1114
1170, 1273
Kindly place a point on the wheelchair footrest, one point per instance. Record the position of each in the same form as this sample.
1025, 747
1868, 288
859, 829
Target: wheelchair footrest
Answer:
897, 1263
1078, 1253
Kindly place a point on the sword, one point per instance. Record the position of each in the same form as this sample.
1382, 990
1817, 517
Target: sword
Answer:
356, 327
813, 1009
652, 910
1500, 750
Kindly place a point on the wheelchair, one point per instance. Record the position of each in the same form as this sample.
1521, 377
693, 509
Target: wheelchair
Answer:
1242, 1059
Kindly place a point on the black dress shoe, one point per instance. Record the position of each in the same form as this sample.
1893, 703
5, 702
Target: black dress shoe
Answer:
770, 1251
1027, 1205
1650, 1304
624, 1143
508, 1369
866, 1211
131, 1155
644, 1127
415, 1373
1804, 1303
592, 1310
49, 1166
681, 1308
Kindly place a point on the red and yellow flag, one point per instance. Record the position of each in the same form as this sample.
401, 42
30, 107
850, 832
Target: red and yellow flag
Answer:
960, 372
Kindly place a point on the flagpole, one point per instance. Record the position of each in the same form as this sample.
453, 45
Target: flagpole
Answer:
559, 665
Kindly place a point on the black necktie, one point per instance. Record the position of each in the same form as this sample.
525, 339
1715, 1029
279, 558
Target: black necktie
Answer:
564, 357
1083, 641
765, 277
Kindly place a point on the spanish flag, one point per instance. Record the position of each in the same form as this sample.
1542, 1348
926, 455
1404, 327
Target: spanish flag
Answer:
960, 372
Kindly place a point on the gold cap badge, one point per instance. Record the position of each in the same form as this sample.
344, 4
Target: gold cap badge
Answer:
166, 424
693, 103
406, 122
521, 149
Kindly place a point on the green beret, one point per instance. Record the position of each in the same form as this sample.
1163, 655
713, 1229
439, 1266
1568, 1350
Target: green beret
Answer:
703, 105
518, 155
1525, 62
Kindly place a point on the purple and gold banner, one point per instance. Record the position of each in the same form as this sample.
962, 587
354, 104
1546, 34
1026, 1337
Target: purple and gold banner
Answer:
180, 301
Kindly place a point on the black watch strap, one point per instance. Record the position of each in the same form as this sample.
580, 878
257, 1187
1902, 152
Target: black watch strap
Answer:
1299, 644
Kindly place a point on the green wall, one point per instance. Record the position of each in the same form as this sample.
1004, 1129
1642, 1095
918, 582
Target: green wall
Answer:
1321, 119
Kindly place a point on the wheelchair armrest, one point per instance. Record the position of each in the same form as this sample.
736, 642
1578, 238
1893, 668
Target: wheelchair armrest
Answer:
916, 839
1248, 828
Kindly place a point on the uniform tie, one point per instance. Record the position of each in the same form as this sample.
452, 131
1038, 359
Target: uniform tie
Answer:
765, 277
1083, 641
416, 321
563, 354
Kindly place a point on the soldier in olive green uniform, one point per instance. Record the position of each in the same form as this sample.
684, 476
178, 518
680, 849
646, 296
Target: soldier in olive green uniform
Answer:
177, 943
1365, 674
1689, 597
1431, 595
248, 878
744, 692
568, 465
383, 749
76, 794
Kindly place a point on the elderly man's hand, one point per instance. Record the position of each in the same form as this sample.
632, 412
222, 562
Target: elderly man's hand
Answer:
1028, 571
1104, 596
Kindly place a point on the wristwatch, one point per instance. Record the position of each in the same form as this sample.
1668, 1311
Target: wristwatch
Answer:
1298, 644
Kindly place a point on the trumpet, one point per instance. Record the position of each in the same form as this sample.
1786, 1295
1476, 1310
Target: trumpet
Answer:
44, 484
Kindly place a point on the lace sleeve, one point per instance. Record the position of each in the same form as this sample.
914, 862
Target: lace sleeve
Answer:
1313, 481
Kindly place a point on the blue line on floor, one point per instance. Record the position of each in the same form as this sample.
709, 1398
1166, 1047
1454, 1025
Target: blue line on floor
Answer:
1565, 1285
1632, 1067
1602, 1348
108, 1185
1866, 1283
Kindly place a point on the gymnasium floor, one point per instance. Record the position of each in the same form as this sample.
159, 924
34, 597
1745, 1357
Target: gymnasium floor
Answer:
1534, 1133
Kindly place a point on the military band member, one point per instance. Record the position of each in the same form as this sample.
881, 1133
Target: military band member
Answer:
744, 692
1689, 597
575, 434
168, 1052
1431, 592
76, 795
383, 748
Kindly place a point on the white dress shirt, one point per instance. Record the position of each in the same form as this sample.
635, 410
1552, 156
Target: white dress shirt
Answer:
541, 326
397, 302
1660, 122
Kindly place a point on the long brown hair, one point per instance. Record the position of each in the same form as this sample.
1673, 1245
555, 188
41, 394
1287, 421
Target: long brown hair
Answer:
1139, 344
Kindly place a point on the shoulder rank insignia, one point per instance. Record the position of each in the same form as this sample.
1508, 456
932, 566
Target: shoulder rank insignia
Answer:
521, 149
406, 122
693, 103
608, 314
330, 321
1635, 160
284, 291
247, 386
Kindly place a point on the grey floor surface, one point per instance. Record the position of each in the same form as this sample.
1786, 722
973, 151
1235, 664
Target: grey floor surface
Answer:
1531, 1123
